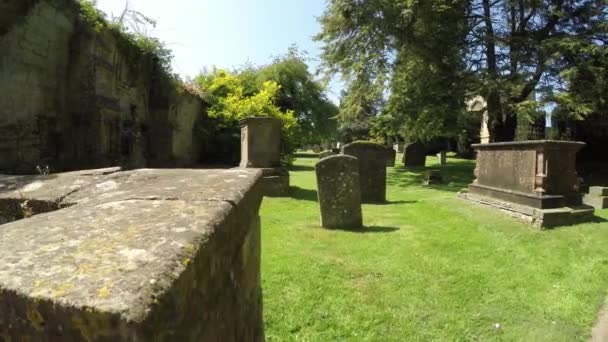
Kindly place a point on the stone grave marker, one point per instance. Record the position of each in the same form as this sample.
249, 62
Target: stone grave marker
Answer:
442, 158
597, 197
414, 155
339, 192
372, 169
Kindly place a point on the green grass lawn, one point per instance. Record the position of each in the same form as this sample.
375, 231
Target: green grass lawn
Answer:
429, 267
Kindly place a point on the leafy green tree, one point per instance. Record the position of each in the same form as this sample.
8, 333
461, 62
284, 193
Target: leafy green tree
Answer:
431, 55
301, 93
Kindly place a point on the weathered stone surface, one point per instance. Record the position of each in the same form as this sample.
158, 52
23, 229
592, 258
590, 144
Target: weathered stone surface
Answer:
538, 218
531, 174
71, 98
414, 155
275, 182
598, 191
261, 143
597, 197
326, 154
339, 192
142, 255
372, 169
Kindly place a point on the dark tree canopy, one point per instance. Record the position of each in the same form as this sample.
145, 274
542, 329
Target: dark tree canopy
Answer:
427, 57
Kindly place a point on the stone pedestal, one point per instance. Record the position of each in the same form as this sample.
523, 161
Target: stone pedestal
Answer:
536, 179
597, 197
414, 155
372, 169
339, 192
260, 143
261, 149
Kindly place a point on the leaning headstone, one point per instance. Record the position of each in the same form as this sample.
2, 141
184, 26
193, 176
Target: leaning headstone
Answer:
372, 169
339, 192
597, 197
442, 158
326, 154
414, 155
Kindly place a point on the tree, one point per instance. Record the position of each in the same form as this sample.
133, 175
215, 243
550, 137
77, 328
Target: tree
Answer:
431, 54
300, 93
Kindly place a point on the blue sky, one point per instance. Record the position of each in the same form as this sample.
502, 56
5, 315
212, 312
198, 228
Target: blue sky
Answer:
229, 33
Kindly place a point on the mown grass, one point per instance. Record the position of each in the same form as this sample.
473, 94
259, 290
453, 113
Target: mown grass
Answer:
428, 267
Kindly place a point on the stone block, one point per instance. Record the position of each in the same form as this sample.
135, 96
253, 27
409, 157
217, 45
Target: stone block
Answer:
598, 202
163, 255
414, 155
372, 169
339, 192
598, 191
260, 143
275, 182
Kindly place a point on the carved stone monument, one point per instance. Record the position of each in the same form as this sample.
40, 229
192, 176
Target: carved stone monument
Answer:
533, 180
372, 169
261, 149
339, 192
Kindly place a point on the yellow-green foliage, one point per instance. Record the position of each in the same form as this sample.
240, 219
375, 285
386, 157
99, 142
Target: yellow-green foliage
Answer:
230, 101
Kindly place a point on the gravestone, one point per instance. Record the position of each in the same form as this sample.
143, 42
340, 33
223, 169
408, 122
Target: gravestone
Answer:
597, 197
372, 169
391, 155
339, 192
261, 149
326, 154
442, 158
414, 155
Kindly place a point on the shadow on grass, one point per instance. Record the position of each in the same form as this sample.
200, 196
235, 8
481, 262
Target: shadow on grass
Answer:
303, 194
369, 230
457, 174
307, 155
301, 168
598, 219
393, 203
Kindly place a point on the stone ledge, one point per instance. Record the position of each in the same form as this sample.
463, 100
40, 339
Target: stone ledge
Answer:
539, 218
141, 255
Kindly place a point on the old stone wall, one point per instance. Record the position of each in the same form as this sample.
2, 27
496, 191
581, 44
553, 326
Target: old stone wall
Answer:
75, 97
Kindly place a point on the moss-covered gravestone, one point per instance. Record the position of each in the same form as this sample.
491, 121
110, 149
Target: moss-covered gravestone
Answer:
372, 169
339, 192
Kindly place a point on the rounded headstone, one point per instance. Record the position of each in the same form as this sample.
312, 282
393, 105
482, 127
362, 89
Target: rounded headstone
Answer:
372, 169
414, 155
326, 154
339, 192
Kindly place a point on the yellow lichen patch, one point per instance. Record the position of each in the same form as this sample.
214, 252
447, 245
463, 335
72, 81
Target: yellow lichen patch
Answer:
186, 261
105, 291
35, 317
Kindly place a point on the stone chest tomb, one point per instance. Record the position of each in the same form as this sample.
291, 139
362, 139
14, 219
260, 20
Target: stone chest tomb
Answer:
261, 149
535, 180
144, 255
